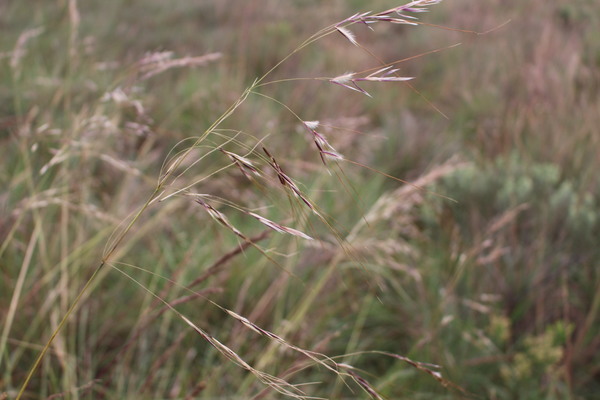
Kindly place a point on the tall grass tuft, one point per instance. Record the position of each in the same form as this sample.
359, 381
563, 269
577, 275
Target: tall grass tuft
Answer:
190, 210
78, 156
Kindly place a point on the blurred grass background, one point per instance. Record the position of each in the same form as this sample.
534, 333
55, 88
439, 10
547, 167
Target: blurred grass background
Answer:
500, 288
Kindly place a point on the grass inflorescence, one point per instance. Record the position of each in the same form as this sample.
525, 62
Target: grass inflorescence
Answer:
195, 208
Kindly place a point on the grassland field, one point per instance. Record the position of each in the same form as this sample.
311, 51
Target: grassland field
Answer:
460, 230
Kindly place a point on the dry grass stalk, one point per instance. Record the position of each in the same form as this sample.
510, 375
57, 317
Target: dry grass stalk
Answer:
157, 63
20, 48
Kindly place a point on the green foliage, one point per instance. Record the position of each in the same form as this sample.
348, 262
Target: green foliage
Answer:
559, 203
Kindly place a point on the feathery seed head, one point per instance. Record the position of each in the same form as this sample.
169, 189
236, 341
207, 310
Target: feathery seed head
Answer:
348, 34
279, 228
242, 163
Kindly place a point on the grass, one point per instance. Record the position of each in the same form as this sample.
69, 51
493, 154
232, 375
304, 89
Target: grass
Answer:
499, 288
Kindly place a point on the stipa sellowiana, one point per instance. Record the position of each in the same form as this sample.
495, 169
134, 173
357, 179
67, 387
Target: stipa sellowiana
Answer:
184, 177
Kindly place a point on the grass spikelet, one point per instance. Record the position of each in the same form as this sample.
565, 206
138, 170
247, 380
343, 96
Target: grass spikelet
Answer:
280, 228
347, 34
348, 81
362, 382
242, 163
386, 74
325, 149
219, 217
288, 183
